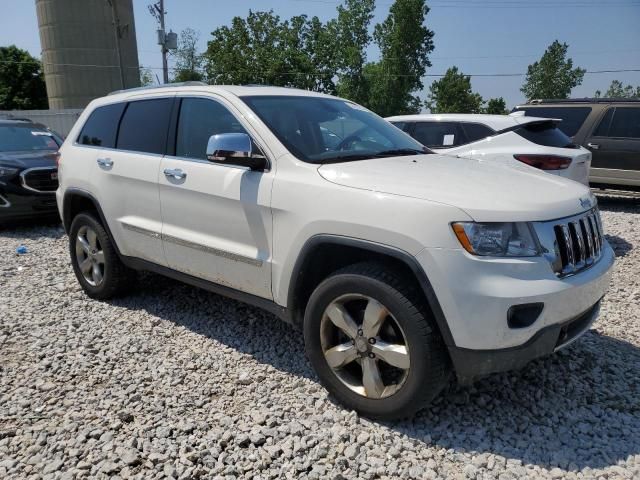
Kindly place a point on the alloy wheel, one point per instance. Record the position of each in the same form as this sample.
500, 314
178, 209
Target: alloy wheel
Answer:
365, 346
90, 256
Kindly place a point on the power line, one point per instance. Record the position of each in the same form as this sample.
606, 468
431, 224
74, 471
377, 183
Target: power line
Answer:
494, 4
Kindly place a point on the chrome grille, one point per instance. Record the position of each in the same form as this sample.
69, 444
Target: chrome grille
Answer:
572, 244
40, 179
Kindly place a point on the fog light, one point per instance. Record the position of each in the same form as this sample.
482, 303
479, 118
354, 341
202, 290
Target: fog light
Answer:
521, 316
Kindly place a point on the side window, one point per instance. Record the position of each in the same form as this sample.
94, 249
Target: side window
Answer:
102, 125
603, 127
401, 125
439, 134
199, 119
144, 126
625, 123
572, 117
476, 131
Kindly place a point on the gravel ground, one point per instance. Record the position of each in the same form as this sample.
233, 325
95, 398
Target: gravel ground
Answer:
179, 383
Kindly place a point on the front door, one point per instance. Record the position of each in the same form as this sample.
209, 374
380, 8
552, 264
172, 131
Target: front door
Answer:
216, 218
615, 146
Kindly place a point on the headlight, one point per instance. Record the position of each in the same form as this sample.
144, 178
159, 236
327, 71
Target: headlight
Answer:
7, 172
497, 239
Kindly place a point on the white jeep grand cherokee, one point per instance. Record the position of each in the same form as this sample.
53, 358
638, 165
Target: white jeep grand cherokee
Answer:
401, 266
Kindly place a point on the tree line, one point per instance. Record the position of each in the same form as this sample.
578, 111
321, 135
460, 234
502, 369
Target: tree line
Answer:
330, 57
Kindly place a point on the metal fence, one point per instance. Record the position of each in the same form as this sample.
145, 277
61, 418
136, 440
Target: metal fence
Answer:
60, 121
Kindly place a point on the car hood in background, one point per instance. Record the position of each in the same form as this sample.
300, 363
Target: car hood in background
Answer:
29, 159
485, 190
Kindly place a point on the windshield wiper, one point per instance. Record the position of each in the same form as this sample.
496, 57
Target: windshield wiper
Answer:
401, 151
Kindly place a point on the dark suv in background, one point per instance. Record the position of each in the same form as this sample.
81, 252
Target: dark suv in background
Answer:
609, 127
28, 170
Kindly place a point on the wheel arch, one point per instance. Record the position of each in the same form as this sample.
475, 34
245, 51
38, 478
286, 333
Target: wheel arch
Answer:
323, 254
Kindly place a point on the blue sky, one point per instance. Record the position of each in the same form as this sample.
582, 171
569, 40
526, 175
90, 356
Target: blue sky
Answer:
480, 37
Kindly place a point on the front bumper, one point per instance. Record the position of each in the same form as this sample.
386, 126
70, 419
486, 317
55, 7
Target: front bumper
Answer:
471, 364
14, 206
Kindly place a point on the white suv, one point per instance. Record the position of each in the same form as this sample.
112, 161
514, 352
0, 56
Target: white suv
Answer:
400, 265
515, 140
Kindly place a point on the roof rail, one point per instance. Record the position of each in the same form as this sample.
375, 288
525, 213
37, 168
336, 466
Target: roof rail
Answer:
191, 83
539, 101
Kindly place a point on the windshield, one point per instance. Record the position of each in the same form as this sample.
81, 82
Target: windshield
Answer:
17, 138
325, 130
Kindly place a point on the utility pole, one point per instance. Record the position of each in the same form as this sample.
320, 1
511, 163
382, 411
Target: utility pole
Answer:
118, 36
167, 41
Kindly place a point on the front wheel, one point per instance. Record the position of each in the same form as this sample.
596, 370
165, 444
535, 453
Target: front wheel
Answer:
373, 342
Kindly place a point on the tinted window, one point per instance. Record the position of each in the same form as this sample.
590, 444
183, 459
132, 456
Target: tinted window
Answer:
439, 134
323, 130
603, 127
572, 117
400, 125
14, 138
102, 126
625, 123
544, 133
144, 126
199, 119
476, 131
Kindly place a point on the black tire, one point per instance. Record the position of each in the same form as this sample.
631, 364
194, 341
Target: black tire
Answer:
430, 366
117, 278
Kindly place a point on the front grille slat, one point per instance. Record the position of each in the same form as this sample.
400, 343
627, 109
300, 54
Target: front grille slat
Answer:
579, 243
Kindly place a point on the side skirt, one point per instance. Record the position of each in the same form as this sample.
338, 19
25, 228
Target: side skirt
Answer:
262, 303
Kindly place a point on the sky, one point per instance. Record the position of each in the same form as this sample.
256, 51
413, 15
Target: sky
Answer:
479, 36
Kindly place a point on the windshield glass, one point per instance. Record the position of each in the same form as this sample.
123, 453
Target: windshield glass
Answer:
325, 130
16, 138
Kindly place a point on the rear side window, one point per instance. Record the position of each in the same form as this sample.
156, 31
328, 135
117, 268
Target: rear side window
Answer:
144, 126
544, 133
102, 125
199, 119
625, 123
401, 125
603, 127
476, 131
572, 117
439, 134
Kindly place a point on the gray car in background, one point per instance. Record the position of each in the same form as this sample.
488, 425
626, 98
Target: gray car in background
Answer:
608, 127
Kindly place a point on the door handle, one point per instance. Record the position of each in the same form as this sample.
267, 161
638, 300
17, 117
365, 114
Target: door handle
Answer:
593, 146
175, 173
105, 162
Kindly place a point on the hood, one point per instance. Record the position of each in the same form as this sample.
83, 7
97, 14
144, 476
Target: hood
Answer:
485, 190
29, 159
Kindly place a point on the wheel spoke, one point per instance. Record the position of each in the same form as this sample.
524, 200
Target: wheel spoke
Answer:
99, 257
86, 265
84, 244
393, 354
374, 316
341, 355
92, 238
341, 319
371, 380
96, 274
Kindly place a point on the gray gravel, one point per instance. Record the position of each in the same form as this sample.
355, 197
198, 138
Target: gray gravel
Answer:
178, 383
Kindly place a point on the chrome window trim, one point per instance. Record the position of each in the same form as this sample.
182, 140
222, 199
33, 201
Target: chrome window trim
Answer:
4, 203
25, 172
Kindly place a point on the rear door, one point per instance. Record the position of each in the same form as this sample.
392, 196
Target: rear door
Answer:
615, 146
127, 178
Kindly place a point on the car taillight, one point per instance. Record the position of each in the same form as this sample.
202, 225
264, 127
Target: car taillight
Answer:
545, 162
58, 159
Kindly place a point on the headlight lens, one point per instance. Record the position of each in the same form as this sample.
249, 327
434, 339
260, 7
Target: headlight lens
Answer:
497, 239
7, 172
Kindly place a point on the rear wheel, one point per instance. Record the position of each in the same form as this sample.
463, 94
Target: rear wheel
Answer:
95, 262
373, 343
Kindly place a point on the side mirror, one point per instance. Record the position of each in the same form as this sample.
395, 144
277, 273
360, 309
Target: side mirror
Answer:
234, 149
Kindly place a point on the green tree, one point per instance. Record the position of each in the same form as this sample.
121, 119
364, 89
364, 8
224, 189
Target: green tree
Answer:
22, 84
188, 60
496, 106
352, 35
617, 89
553, 76
146, 76
405, 43
453, 94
